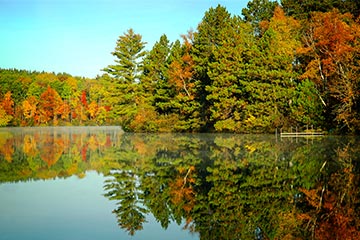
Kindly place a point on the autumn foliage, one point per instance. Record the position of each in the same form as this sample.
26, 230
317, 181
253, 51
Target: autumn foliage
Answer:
287, 63
332, 209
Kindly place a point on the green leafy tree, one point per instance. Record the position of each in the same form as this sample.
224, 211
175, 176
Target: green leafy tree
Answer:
154, 91
17, 82
128, 52
4, 117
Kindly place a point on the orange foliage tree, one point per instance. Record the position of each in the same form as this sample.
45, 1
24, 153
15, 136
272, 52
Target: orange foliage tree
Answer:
29, 108
6, 109
332, 47
182, 70
181, 76
50, 104
8, 104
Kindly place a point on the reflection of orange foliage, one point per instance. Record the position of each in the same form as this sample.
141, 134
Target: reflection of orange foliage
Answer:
143, 148
83, 151
52, 149
29, 147
182, 192
312, 196
337, 226
287, 223
7, 150
332, 215
93, 143
46, 174
140, 147
72, 169
108, 141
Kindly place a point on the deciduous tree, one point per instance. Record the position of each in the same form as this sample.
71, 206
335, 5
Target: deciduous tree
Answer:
331, 48
186, 102
49, 106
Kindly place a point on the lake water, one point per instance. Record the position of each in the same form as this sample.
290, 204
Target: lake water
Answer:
102, 183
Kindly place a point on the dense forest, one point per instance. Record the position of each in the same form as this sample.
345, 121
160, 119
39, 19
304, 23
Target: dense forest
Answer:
294, 63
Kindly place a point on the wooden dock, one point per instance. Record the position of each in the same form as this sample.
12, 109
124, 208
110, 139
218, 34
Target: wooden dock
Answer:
301, 134
307, 132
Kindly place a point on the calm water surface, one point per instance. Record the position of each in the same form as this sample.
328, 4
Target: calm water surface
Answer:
101, 183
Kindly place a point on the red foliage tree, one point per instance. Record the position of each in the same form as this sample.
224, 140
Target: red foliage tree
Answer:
83, 99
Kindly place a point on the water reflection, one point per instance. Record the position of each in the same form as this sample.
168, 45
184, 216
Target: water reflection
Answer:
221, 186
45, 153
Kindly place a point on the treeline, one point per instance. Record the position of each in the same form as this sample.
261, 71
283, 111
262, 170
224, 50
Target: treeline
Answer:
41, 99
276, 66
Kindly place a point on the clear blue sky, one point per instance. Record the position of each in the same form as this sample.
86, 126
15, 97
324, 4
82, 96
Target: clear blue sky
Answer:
78, 36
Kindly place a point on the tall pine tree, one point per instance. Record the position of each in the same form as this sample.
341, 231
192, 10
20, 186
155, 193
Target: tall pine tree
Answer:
125, 76
207, 38
154, 81
225, 92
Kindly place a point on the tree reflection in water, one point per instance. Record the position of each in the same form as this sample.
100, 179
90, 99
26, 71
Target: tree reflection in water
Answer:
219, 186
240, 187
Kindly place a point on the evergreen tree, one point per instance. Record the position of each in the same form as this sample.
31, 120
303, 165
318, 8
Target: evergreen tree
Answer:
128, 52
258, 11
225, 92
187, 100
302, 9
206, 39
269, 81
153, 93
154, 82
125, 76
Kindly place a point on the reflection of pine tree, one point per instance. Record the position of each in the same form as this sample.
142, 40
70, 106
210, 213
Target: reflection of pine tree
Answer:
157, 194
123, 188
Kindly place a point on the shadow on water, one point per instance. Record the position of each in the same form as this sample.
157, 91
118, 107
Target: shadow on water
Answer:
222, 186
